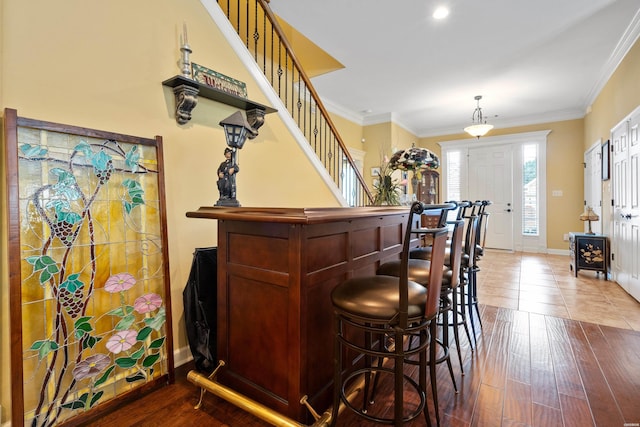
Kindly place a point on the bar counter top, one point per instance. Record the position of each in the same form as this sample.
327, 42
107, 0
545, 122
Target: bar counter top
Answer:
294, 215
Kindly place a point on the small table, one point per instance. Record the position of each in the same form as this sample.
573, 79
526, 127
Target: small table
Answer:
589, 252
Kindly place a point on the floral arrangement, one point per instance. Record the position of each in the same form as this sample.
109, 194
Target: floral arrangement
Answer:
414, 159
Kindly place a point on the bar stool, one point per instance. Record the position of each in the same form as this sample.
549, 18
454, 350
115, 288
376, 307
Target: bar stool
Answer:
384, 306
468, 288
449, 304
483, 218
481, 238
459, 316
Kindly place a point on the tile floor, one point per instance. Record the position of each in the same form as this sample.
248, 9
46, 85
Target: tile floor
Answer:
544, 284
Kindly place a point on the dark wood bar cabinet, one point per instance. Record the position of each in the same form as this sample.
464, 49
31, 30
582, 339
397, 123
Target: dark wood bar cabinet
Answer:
276, 270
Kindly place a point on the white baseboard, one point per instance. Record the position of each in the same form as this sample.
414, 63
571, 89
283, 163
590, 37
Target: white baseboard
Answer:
181, 356
559, 252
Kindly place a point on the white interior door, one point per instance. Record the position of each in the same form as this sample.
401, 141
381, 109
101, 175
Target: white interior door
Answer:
633, 215
626, 209
491, 177
593, 183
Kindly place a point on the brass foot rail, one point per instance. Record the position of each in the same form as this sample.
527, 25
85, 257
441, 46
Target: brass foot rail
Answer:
259, 410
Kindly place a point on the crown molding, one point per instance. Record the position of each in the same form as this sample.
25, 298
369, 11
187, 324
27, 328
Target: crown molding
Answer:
621, 50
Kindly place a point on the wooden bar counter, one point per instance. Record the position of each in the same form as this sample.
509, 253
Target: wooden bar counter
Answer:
276, 270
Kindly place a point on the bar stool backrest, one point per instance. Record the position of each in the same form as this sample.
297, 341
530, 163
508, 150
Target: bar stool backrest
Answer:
470, 237
483, 223
439, 236
455, 257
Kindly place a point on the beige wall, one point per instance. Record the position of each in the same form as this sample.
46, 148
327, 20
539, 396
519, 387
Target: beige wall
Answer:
100, 65
377, 144
402, 138
350, 132
381, 140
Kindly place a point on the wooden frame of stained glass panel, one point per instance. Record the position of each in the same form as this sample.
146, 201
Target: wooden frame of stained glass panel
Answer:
88, 270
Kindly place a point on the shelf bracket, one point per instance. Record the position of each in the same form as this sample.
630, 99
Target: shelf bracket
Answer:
255, 117
186, 101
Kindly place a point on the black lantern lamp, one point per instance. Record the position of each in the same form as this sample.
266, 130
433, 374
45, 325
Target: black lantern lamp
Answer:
236, 131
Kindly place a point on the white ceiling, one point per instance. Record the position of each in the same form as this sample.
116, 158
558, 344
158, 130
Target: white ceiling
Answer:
532, 61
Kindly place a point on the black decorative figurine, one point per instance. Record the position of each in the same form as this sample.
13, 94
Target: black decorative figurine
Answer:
236, 131
227, 179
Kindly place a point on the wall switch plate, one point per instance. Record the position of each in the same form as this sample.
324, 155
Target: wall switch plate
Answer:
556, 193
566, 237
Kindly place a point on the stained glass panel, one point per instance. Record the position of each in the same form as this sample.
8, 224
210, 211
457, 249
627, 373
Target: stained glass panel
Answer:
93, 308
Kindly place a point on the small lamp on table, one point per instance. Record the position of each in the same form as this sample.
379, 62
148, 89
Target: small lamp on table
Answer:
589, 215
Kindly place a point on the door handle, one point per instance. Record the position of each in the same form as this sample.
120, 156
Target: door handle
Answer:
507, 210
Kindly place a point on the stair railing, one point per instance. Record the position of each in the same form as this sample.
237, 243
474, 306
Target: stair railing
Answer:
263, 36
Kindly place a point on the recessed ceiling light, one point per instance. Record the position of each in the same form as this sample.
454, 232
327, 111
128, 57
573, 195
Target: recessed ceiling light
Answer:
440, 12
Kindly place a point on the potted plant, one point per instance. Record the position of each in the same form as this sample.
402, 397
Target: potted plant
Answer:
387, 190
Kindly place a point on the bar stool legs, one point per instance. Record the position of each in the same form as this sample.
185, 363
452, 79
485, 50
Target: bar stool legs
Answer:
399, 356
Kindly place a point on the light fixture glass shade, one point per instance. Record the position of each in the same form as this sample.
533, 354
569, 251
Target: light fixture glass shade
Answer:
478, 130
479, 126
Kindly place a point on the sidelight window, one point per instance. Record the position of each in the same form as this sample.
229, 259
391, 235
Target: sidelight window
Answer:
454, 175
530, 190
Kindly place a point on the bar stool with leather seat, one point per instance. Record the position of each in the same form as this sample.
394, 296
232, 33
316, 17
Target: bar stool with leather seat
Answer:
386, 306
418, 269
459, 316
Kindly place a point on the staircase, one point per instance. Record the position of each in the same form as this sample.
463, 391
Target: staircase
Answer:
261, 34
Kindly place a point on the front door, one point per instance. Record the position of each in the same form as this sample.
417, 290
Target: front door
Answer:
490, 178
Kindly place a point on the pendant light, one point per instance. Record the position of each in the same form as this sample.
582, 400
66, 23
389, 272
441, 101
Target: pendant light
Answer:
479, 126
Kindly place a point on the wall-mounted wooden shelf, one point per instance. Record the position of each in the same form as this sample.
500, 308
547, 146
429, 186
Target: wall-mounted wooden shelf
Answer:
187, 91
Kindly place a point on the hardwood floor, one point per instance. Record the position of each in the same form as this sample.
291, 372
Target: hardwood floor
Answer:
530, 368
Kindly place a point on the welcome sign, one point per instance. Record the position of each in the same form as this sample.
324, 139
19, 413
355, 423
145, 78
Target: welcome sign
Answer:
219, 81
